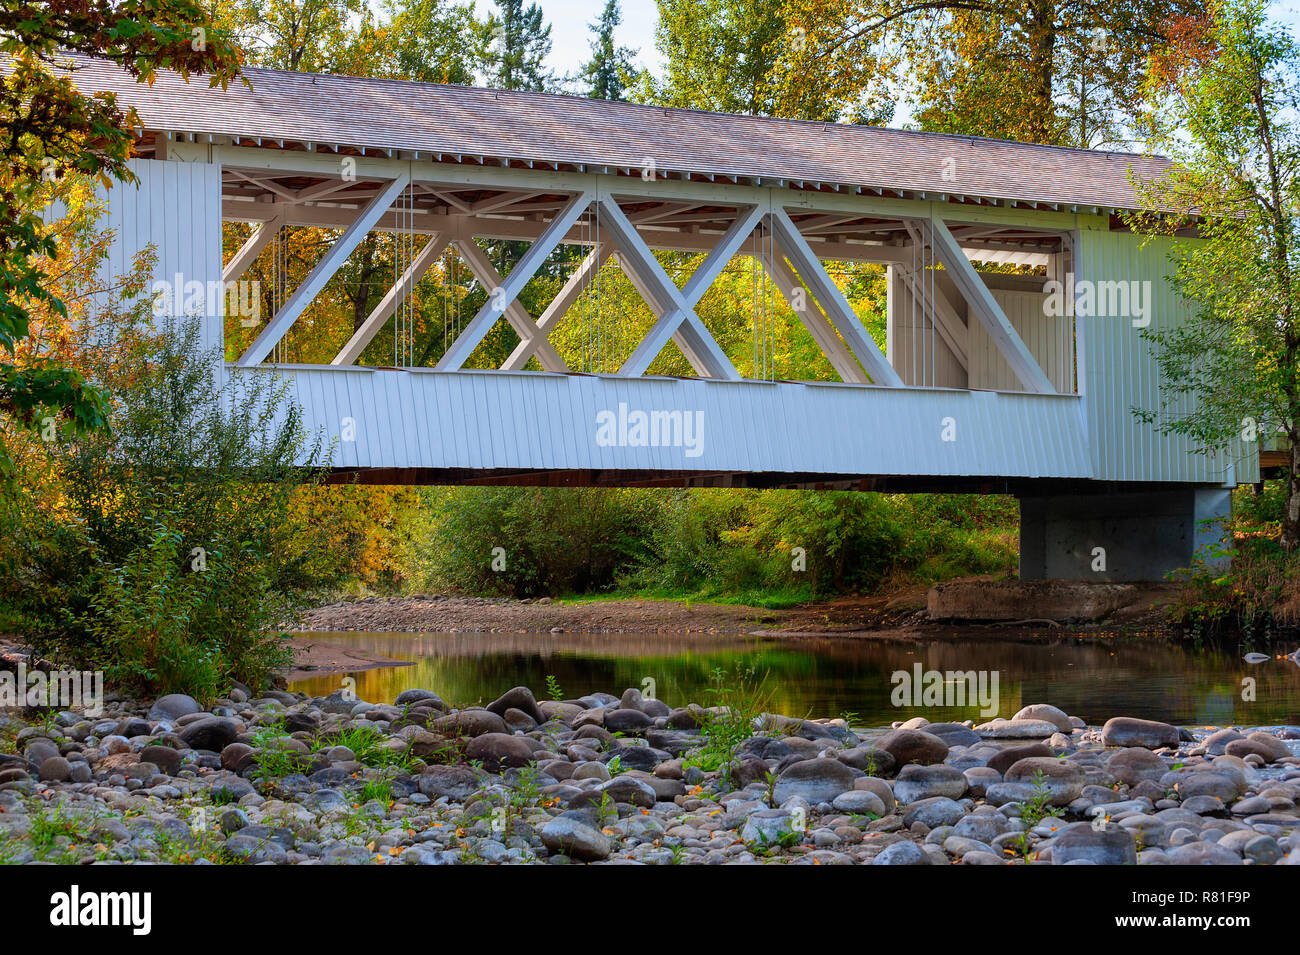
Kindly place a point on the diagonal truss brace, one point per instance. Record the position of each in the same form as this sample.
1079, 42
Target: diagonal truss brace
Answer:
528, 331
813, 318
837, 308
380, 314
985, 307
311, 286
674, 307
253, 246
500, 297
559, 306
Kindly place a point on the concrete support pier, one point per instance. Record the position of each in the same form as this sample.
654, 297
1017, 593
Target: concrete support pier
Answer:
1127, 536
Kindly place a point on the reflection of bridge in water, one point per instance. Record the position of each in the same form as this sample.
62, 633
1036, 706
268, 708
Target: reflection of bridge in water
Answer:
827, 677
985, 381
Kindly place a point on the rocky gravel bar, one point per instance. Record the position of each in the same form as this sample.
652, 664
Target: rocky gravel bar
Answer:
281, 778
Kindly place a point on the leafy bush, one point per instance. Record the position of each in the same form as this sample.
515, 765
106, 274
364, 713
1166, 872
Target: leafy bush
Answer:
555, 541
1258, 593
165, 550
708, 544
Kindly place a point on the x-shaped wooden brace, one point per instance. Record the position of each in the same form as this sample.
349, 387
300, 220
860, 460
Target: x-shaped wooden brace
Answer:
501, 296
838, 311
530, 332
559, 306
311, 286
674, 308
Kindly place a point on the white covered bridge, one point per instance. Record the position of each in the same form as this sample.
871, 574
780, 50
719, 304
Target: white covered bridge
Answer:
1018, 380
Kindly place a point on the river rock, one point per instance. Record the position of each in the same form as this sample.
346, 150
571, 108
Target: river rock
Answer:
934, 812
1202, 853
173, 706
881, 788
517, 698
983, 825
1016, 729
55, 769
469, 722
500, 749
768, 826
212, 733
575, 838
1065, 780
1128, 731
168, 760
455, 782
1204, 783
1109, 845
816, 780
1004, 760
901, 853
418, 697
872, 760
913, 746
625, 720
954, 734
1216, 743
1270, 748
1047, 713
922, 782
1134, 764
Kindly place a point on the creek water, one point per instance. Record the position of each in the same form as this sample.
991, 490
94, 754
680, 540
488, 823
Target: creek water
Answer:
817, 678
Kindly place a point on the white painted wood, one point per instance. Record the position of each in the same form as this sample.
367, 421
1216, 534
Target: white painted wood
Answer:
459, 351
543, 180
380, 314
315, 281
832, 300
559, 306
814, 319
523, 323
494, 419
253, 246
984, 307
675, 308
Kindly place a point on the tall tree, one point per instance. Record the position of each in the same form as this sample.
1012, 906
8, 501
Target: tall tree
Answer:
606, 73
521, 41
314, 36
1066, 72
1230, 122
48, 128
435, 41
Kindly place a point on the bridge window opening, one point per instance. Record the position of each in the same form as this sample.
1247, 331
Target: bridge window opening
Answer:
804, 295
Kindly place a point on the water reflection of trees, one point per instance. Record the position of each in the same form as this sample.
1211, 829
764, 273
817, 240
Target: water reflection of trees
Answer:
827, 677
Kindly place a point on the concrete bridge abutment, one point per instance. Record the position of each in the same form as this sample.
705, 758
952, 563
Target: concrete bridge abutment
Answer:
1138, 535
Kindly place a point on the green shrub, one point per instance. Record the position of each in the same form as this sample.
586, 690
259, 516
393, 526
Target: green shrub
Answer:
165, 550
553, 540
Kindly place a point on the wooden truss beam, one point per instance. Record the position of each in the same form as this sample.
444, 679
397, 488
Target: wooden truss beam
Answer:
523, 324
366, 332
500, 298
675, 308
311, 286
985, 307
837, 308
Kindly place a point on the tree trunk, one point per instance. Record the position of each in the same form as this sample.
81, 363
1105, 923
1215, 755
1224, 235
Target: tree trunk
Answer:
1291, 513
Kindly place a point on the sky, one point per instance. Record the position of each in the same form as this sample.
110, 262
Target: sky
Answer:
571, 38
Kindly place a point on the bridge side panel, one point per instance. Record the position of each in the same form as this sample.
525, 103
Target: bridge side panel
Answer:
1118, 372
176, 208
385, 418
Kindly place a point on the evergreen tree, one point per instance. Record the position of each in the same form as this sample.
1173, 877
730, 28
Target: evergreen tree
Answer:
521, 41
606, 72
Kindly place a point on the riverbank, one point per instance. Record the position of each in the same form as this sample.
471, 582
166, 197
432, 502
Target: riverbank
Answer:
289, 779
894, 614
